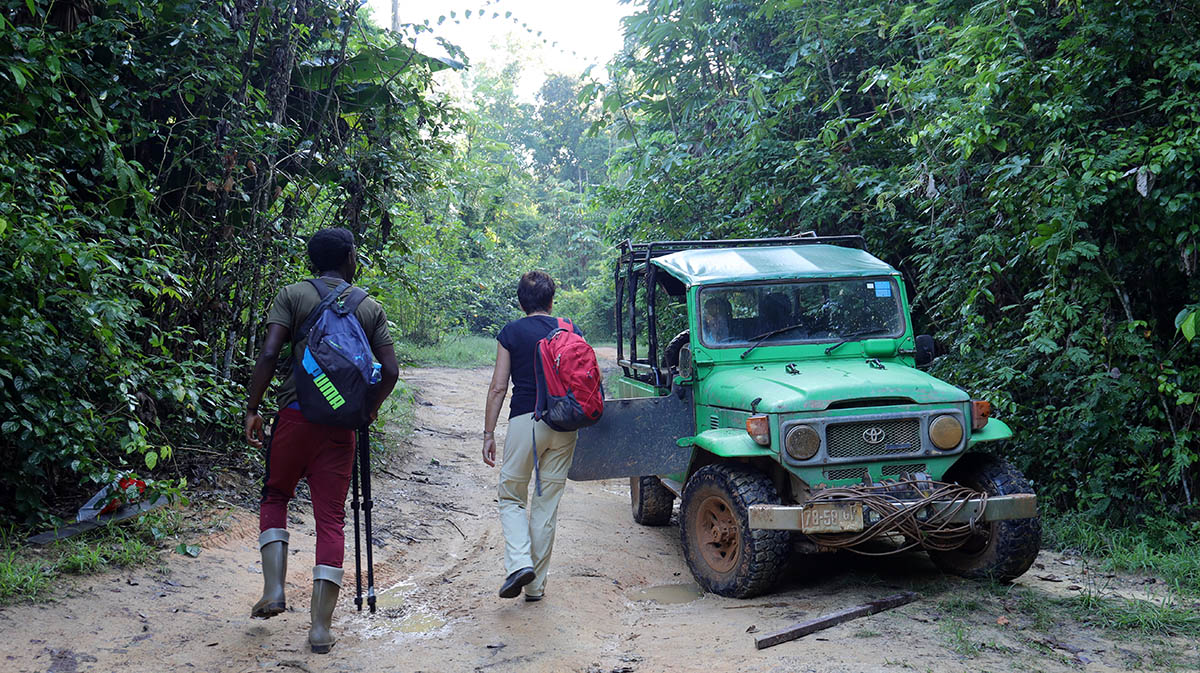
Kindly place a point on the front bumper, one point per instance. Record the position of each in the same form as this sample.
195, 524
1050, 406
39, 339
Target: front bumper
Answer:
852, 516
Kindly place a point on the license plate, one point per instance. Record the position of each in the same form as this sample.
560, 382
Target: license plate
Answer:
832, 517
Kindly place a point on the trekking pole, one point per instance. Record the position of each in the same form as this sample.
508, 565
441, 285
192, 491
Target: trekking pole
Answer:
357, 550
364, 443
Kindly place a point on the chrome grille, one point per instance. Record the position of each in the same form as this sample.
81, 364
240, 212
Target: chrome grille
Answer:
900, 436
897, 470
846, 473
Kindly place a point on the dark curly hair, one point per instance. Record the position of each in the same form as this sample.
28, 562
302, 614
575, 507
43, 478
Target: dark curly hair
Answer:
535, 292
328, 248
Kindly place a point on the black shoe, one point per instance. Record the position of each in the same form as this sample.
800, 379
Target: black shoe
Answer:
533, 599
513, 583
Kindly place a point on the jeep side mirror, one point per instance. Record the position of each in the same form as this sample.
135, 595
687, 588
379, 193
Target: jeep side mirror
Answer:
685, 361
924, 350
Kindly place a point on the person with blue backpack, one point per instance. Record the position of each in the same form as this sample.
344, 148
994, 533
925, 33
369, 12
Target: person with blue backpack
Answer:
556, 390
330, 389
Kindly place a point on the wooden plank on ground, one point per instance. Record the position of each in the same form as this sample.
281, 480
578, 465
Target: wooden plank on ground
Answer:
833, 619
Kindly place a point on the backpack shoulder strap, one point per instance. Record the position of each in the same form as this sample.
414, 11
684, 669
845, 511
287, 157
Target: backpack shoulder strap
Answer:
353, 299
322, 288
561, 325
327, 298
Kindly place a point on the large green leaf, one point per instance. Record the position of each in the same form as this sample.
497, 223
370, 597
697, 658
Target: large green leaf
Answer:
370, 64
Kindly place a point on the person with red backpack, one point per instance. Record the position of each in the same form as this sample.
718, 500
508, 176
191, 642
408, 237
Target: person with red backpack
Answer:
556, 390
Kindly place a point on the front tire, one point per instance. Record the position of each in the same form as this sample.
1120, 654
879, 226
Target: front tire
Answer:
725, 555
651, 501
1003, 550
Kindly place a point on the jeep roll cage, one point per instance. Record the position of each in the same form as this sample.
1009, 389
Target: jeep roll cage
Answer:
634, 266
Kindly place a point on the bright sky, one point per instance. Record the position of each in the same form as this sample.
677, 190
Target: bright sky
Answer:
587, 31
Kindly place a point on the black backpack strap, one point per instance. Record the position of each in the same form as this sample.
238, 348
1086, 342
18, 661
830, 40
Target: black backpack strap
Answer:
327, 297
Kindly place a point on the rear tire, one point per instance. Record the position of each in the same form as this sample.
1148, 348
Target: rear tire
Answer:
651, 501
725, 555
671, 352
1003, 550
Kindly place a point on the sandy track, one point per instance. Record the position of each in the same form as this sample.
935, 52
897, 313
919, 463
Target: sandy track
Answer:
619, 597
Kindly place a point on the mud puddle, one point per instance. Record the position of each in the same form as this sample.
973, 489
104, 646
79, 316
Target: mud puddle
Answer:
668, 594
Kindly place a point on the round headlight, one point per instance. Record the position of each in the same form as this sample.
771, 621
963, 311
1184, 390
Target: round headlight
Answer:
802, 442
946, 432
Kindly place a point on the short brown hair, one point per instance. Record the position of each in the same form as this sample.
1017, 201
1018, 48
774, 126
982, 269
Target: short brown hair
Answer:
535, 292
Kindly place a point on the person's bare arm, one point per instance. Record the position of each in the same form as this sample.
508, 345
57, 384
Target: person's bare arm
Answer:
497, 390
264, 369
389, 373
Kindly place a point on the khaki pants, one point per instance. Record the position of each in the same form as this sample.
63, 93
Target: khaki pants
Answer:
529, 537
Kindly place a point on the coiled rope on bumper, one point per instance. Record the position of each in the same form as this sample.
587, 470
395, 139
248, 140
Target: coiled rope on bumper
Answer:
937, 506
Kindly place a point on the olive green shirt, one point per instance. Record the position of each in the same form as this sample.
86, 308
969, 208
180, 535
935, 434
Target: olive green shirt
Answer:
291, 308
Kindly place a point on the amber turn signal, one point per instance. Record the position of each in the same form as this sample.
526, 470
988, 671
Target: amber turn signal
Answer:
981, 411
759, 428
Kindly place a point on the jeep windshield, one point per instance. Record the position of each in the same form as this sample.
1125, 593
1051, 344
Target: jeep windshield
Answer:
821, 311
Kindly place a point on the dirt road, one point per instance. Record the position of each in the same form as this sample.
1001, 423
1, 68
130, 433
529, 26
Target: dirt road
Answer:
619, 597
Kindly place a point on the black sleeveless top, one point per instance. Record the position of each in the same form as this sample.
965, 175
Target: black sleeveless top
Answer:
520, 338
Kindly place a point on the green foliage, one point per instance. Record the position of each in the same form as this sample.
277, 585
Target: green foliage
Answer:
1092, 609
1162, 548
457, 350
20, 577
515, 197
399, 415
1030, 166
1122, 614
959, 637
591, 308
160, 166
27, 574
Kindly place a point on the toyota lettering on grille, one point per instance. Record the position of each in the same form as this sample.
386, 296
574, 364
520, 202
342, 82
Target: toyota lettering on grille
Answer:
874, 435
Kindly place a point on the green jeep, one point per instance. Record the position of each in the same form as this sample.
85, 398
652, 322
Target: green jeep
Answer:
788, 414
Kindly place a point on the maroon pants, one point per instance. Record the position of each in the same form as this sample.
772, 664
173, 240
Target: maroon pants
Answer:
325, 455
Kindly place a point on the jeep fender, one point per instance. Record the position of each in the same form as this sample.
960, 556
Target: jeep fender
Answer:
994, 430
731, 443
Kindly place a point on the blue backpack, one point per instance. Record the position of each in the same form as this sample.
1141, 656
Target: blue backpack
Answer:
333, 374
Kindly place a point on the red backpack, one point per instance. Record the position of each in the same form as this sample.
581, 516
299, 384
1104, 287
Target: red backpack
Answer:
569, 394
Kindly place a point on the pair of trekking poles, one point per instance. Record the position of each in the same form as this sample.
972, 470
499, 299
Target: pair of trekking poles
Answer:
362, 463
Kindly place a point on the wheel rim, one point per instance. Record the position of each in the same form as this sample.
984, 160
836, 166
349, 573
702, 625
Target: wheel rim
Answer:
635, 492
718, 533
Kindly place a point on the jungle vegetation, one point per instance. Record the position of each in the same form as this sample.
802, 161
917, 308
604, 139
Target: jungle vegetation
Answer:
1030, 166
162, 166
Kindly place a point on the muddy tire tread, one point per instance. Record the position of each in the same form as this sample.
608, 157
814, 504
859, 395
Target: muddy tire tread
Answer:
765, 552
1017, 541
652, 503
